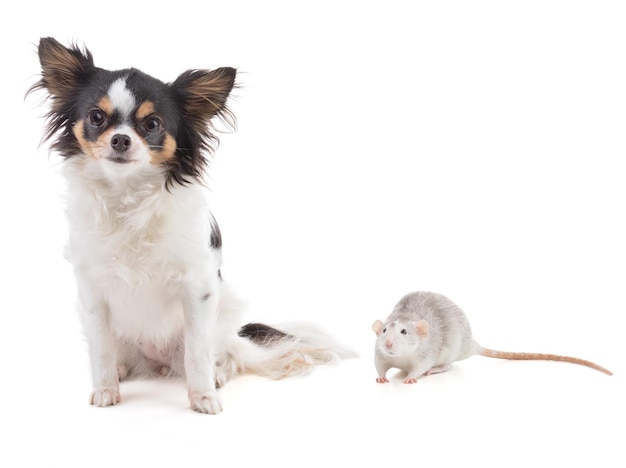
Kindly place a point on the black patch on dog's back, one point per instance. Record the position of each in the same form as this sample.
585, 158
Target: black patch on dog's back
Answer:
262, 334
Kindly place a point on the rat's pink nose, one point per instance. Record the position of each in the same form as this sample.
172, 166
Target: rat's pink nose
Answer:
388, 344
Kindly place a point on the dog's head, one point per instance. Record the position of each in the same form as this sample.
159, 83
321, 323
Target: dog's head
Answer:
126, 121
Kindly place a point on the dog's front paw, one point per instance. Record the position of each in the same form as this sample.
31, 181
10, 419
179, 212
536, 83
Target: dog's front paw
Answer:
207, 402
103, 396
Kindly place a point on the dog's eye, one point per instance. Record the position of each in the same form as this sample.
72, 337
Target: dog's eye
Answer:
152, 125
96, 118
403, 331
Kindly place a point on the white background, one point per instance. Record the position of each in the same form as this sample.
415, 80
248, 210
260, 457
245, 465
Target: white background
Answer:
473, 148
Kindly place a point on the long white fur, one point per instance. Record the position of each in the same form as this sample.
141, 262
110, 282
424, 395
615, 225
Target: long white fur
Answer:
149, 288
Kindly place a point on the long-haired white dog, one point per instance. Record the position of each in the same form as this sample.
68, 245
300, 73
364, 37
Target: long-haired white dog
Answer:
145, 248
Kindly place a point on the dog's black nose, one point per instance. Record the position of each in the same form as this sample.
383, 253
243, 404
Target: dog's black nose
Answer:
120, 142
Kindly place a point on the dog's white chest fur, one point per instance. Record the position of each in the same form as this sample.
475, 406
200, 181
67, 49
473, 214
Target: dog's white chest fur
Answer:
138, 247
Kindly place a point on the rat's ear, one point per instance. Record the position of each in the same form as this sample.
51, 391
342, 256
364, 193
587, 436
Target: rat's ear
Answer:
422, 327
62, 68
377, 326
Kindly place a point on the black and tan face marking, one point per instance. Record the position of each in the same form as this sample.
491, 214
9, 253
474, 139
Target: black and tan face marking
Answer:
127, 116
123, 130
162, 145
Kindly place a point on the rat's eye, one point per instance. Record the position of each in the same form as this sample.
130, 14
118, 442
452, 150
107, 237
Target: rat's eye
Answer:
96, 118
152, 125
403, 331
384, 330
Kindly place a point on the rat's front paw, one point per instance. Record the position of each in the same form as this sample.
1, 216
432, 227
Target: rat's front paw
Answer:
410, 380
104, 396
207, 402
382, 379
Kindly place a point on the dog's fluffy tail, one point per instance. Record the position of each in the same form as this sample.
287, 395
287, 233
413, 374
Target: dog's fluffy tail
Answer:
287, 350
276, 352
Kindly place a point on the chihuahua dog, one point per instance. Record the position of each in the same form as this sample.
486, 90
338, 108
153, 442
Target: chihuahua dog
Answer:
145, 249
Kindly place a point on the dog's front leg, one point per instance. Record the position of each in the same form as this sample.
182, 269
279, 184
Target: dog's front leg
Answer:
200, 315
102, 353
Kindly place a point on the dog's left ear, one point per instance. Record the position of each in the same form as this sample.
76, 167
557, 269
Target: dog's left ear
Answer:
203, 93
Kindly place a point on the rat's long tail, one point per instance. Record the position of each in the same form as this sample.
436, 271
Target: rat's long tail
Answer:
540, 357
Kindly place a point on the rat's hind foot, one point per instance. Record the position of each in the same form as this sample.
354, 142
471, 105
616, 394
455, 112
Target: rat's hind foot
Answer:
382, 379
438, 369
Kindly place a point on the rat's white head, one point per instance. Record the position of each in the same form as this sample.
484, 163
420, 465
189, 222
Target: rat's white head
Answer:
398, 338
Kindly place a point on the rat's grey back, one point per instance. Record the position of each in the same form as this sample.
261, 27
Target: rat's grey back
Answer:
449, 327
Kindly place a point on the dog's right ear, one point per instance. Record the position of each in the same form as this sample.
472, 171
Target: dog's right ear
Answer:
62, 69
